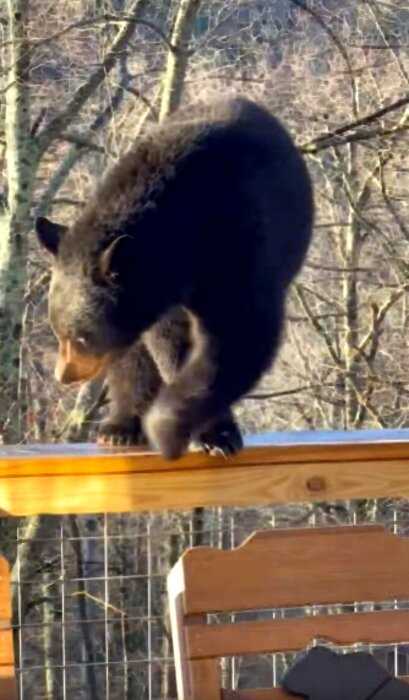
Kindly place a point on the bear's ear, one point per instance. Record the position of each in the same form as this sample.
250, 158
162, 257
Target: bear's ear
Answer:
49, 234
116, 260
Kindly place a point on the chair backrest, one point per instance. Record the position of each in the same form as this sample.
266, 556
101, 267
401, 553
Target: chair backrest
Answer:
283, 569
8, 686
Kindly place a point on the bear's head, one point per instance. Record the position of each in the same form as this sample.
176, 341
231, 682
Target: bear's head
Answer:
91, 300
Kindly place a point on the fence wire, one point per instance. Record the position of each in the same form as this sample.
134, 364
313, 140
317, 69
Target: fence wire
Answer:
90, 607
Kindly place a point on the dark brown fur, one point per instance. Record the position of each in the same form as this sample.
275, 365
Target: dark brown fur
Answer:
135, 381
208, 214
133, 183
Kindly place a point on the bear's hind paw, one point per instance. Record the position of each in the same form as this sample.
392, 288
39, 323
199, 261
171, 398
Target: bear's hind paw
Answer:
126, 433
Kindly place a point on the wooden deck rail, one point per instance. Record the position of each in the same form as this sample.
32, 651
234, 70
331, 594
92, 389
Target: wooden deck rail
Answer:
275, 468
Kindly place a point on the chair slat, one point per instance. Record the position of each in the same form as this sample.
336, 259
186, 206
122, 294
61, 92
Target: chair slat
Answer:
290, 568
281, 635
264, 694
197, 679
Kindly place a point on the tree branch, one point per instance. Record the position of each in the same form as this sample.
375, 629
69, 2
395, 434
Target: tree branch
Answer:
289, 392
329, 139
316, 325
338, 43
62, 120
82, 142
75, 153
379, 315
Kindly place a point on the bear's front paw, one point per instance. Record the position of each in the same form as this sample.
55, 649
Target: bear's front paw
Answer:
166, 431
222, 438
125, 432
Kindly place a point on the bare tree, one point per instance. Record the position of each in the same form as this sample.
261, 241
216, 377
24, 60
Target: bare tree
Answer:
178, 57
27, 144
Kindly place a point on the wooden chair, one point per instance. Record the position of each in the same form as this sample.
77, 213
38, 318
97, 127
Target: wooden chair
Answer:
281, 569
8, 685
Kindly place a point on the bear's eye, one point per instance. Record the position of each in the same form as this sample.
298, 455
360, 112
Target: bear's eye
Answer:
81, 342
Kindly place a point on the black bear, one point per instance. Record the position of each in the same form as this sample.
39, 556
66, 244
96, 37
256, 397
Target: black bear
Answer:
174, 277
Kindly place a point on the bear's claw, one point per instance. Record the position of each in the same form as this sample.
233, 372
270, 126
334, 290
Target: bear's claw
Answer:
223, 440
127, 432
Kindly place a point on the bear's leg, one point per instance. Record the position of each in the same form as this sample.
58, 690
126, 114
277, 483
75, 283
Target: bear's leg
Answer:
169, 342
230, 352
133, 383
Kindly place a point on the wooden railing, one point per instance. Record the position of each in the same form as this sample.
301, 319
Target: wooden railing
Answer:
275, 468
278, 468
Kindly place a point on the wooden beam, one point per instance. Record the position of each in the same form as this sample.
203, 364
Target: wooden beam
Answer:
299, 467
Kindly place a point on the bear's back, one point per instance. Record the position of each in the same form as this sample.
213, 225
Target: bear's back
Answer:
219, 164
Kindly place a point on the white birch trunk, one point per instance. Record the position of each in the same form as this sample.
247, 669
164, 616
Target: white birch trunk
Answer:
21, 167
177, 60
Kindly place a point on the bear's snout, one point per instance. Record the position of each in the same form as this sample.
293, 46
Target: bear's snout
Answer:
73, 366
65, 375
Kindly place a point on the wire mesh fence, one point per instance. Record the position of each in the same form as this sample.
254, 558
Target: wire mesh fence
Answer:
90, 606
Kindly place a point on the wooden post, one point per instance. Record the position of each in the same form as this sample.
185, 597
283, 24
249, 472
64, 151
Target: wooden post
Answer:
8, 685
195, 679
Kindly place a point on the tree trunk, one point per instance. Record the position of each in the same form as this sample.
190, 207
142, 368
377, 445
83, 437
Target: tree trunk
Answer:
21, 166
178, 57
24, 151
351, 358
